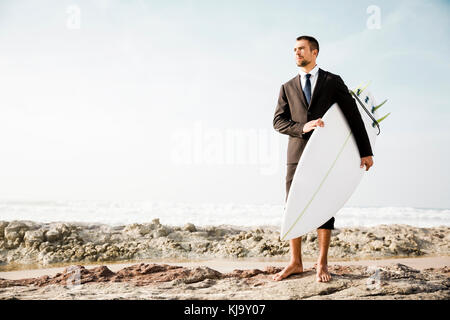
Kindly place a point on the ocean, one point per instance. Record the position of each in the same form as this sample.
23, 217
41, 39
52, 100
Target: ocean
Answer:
178, 214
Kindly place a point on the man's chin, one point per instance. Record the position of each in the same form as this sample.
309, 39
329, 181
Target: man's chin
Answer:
303, 63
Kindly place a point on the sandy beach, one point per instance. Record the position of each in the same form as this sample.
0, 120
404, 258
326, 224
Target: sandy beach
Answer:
154, 261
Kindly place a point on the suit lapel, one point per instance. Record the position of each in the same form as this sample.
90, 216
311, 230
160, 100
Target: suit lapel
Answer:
298, 85
320, 80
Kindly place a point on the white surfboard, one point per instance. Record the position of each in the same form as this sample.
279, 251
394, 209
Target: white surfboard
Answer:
328, 171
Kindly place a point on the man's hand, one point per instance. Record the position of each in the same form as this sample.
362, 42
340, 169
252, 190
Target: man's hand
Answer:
366, 161
311, 125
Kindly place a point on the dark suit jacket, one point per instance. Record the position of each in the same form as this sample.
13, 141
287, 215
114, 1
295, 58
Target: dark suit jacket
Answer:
292, 112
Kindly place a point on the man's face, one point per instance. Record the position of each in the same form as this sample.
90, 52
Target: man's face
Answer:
303, 54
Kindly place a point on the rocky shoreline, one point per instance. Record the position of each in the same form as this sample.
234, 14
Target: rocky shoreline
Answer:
44, 244
162, 281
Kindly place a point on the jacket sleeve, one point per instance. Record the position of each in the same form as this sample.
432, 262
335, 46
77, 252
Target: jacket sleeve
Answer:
351, 112
282, 121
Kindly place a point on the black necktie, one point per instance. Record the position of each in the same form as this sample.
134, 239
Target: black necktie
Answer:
308, 88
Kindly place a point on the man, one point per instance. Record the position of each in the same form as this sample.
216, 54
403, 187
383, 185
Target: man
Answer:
302, 102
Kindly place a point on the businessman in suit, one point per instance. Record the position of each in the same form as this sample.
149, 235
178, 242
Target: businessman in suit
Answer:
302, 102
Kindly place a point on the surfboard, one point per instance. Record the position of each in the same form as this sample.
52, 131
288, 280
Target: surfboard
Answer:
329, 169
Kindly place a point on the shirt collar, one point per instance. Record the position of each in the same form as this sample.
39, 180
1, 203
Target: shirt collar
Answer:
312, 72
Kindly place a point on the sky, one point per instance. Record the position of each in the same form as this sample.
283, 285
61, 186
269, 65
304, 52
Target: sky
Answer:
173, 101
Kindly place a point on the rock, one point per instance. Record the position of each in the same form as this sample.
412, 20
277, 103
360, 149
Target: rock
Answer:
216, 232
202, 234
161, 232
396, 282
257, 238
177, 236
138, 230
16, 230
17, 226
53, 235
311, 237
58, 231
376, 245
3, 225
190, 227
33, 236
64, 229
52, 258
201, 273
90, 242
393, 247
130, 227
13, 236
371, 235
186, 246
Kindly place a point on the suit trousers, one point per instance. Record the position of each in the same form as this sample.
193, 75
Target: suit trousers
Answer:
289, 176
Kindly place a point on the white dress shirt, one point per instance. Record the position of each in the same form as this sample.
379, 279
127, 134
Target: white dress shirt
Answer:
314, 75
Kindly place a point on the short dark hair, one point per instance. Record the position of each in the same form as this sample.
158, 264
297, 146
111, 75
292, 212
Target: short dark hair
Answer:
313, 43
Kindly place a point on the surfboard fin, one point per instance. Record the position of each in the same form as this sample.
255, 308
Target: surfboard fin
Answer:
381, 119
359, 91
375, 108
358, 87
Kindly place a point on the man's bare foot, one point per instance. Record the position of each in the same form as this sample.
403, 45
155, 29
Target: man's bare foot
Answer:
292, 268
322, 273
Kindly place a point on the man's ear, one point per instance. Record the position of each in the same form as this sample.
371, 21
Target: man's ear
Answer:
316, 52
